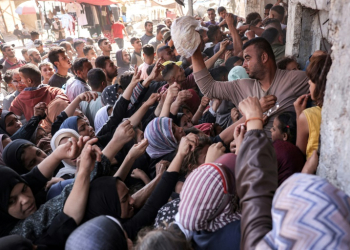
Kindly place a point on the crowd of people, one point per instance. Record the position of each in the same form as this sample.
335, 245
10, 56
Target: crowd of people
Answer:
154, 150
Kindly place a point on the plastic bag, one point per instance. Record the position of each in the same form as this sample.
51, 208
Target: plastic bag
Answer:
184, 35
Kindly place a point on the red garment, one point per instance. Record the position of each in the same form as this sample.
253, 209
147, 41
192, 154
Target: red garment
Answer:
24, 103
204, 127
118, 30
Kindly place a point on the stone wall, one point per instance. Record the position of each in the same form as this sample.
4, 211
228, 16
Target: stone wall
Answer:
304, 37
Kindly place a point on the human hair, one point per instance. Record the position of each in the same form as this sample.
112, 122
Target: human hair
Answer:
231, 61
148, 50
31, 51
87, 48
317, 72
45, 64
192, 130
252, 16
268, 6
68, 39
147, 22
34, 33
150, 68
134, 39
79, 64
89, 41
77, 43
282, 64
54, 54
100, 61
288, 125
23, 51
159, 239
270, 35
210, 9
279, 9
125, 79
190, 161
219, 73
255, 21
65, 45
221, 9
95, 78
167, 71
160, 49
100, 41
8, 76
32, 72
160, 27
268, 21
212, 29
261, 45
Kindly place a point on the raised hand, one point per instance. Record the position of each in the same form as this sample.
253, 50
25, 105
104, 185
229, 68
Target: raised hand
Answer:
267, 102
300, 104
161, 167
152, 99
39, 109
138, 149
136, 77
205, 101
158, 67
187, 144
88, 96
89, 155
215, 151
238, 134
124, 132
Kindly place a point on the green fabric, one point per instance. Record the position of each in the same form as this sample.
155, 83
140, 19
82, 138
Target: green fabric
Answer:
278, 51
236, 73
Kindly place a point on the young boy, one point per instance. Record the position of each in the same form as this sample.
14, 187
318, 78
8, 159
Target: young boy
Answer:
136, 55
148, 55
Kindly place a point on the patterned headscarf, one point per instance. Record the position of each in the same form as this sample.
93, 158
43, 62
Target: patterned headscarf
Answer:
201, 195
110, 95
160, 137
308, 213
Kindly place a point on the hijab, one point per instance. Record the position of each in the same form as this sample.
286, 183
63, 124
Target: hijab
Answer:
193, 102
101, 117
103, 198
201, 196
308, 213
237, 72
33, 137
8, 180
11, 155
110, 95
205, 128
120, 62
100, 233
4, 114
15, 242
2, 163
70, 122
160, 137
55, 141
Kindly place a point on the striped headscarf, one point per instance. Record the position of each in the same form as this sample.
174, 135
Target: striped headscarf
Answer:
308, 213
160, 137
201, 195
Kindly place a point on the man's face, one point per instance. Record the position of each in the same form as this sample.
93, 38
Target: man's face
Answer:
106, 46
91, 54
137, 44
110, 69
9, 52
266, 13
222, 14
35, 57
16, 27
252, 62
211, 15
47, 71
126, 56
219, 35
16, 81
179, 75
63, 61
87, 66
40, 48
168, 22
149, 27
168, 55
79, 48
26, 81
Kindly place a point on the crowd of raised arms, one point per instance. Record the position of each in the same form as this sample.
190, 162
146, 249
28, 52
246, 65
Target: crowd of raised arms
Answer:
157, 151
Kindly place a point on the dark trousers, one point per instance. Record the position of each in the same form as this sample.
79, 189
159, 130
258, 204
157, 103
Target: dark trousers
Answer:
120, 42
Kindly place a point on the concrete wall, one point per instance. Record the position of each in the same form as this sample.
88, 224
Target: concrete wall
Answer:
304, 37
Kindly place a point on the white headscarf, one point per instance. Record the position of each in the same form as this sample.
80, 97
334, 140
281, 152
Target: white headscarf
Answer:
100, 118
60, 134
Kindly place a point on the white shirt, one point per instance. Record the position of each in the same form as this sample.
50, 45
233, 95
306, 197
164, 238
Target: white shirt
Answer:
75, 87
30, 45
73, 7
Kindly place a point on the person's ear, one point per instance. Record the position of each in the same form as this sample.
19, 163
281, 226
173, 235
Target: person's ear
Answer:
56, 64
285, 136
264, 57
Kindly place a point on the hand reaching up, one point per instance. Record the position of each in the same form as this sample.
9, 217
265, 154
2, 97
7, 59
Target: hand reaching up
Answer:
187, 144
88, 96
138, 149
40, 109
215, 151
124, 132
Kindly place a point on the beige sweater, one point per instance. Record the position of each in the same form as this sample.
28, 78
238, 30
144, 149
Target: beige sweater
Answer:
287, 86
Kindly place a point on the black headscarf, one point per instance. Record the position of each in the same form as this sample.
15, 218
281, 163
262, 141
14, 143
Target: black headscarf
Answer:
100, 233
15, 242
8, 180
11, 155
4, 114
103, 198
